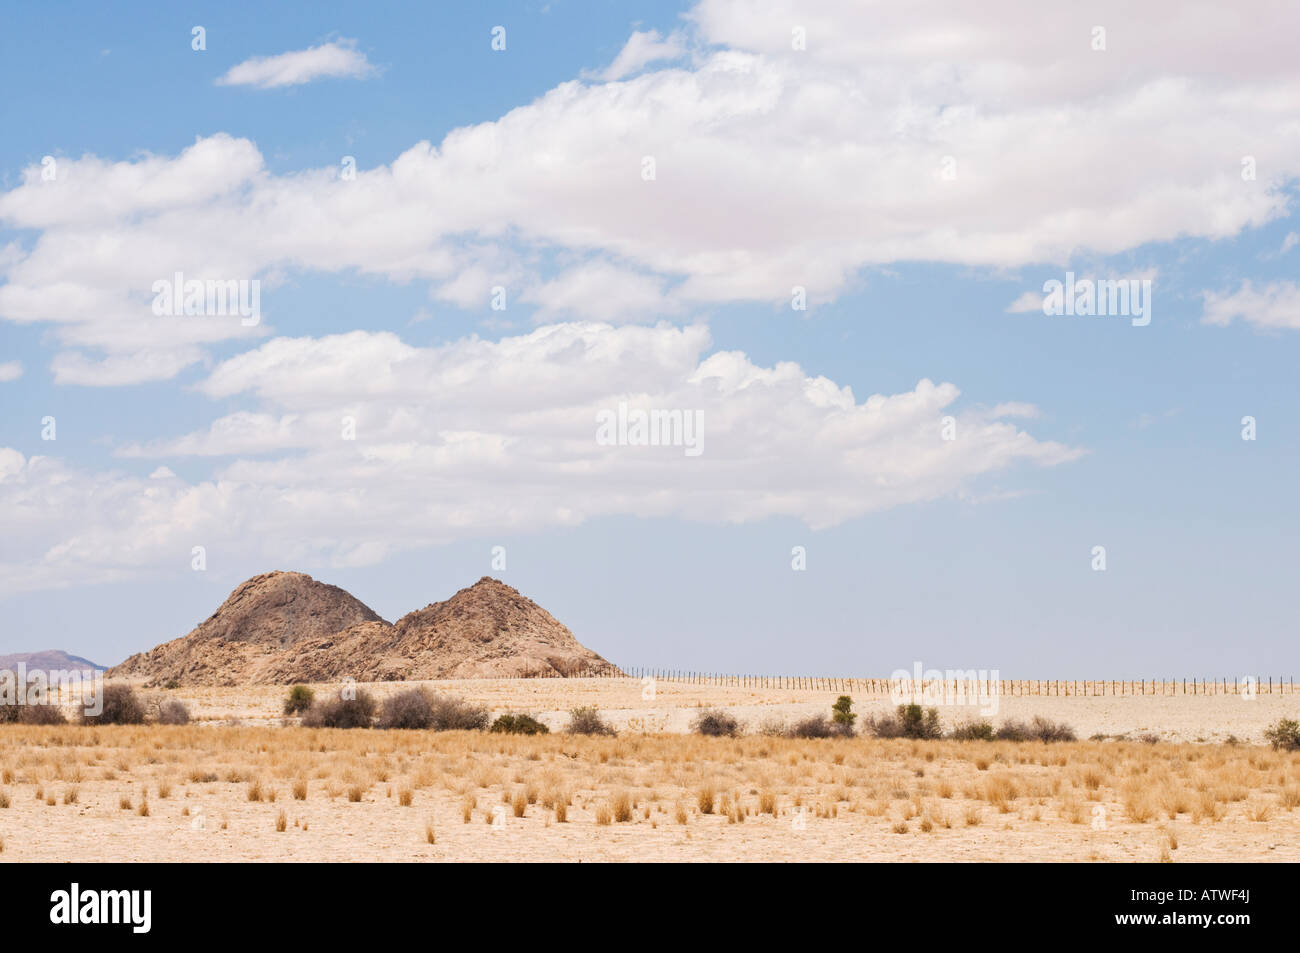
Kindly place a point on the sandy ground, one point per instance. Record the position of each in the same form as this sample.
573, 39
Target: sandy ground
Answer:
1205, 718
76, 793
833, 800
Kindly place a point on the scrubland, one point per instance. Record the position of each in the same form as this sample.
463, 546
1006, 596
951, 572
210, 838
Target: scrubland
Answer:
240, 792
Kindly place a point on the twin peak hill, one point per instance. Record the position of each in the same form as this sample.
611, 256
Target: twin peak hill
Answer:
281, 628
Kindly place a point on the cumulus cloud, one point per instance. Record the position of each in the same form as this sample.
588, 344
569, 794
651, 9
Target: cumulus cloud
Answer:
603, 292
1275, 306
10, 371
775, 167
338, 59
361, 437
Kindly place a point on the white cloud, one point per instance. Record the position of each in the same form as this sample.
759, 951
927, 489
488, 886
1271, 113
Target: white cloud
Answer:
10, 371
775, 168
602, 292
478, 436
162, 473
1275, 306
642, 49
338, 59
1027, 302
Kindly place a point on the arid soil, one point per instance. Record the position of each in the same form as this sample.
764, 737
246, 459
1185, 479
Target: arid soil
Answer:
627, 704
222, 789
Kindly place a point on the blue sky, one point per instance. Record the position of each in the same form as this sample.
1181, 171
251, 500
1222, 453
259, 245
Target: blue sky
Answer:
1129, 168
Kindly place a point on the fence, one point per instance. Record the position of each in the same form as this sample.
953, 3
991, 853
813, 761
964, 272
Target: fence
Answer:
1262, 685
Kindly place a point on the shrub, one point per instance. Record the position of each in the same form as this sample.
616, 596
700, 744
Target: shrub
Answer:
587, 721
411, 709
39, 714
299, 700
1040, 729
341, 712
715, 723
977, 729
454, 714
43, 715
519, 725
1013, 730
1284, 736
909, 721
814, 726
121, 707
1046, 730
173, 712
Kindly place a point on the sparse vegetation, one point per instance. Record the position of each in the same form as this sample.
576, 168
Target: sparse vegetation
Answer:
587, 721
341, 712
976, 729
299, 700
1284, 735
909, 721
715, 723
1039, 729
411, 709
121, 706
814, 726
518, 725
173, 712
455, 714
31, 714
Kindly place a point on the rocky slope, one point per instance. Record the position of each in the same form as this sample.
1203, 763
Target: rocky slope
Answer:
282, 628
261, 619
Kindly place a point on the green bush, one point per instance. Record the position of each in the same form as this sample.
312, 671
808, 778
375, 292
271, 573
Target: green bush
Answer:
909, 721
842, 712
299, 700
519, 725
1284, 736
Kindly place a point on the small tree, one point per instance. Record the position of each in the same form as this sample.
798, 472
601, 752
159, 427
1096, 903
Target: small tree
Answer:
843, 712
299, 700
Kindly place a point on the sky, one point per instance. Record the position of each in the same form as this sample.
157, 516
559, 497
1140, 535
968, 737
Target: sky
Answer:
825, 231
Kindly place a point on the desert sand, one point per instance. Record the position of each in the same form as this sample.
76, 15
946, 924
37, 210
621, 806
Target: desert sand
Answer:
241, 784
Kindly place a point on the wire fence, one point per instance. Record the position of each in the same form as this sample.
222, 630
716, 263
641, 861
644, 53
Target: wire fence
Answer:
1060, 688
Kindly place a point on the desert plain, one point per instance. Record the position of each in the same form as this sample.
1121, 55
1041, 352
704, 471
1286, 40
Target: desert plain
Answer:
1152, 779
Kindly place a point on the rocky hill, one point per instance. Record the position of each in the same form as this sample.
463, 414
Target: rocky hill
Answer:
282, 628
